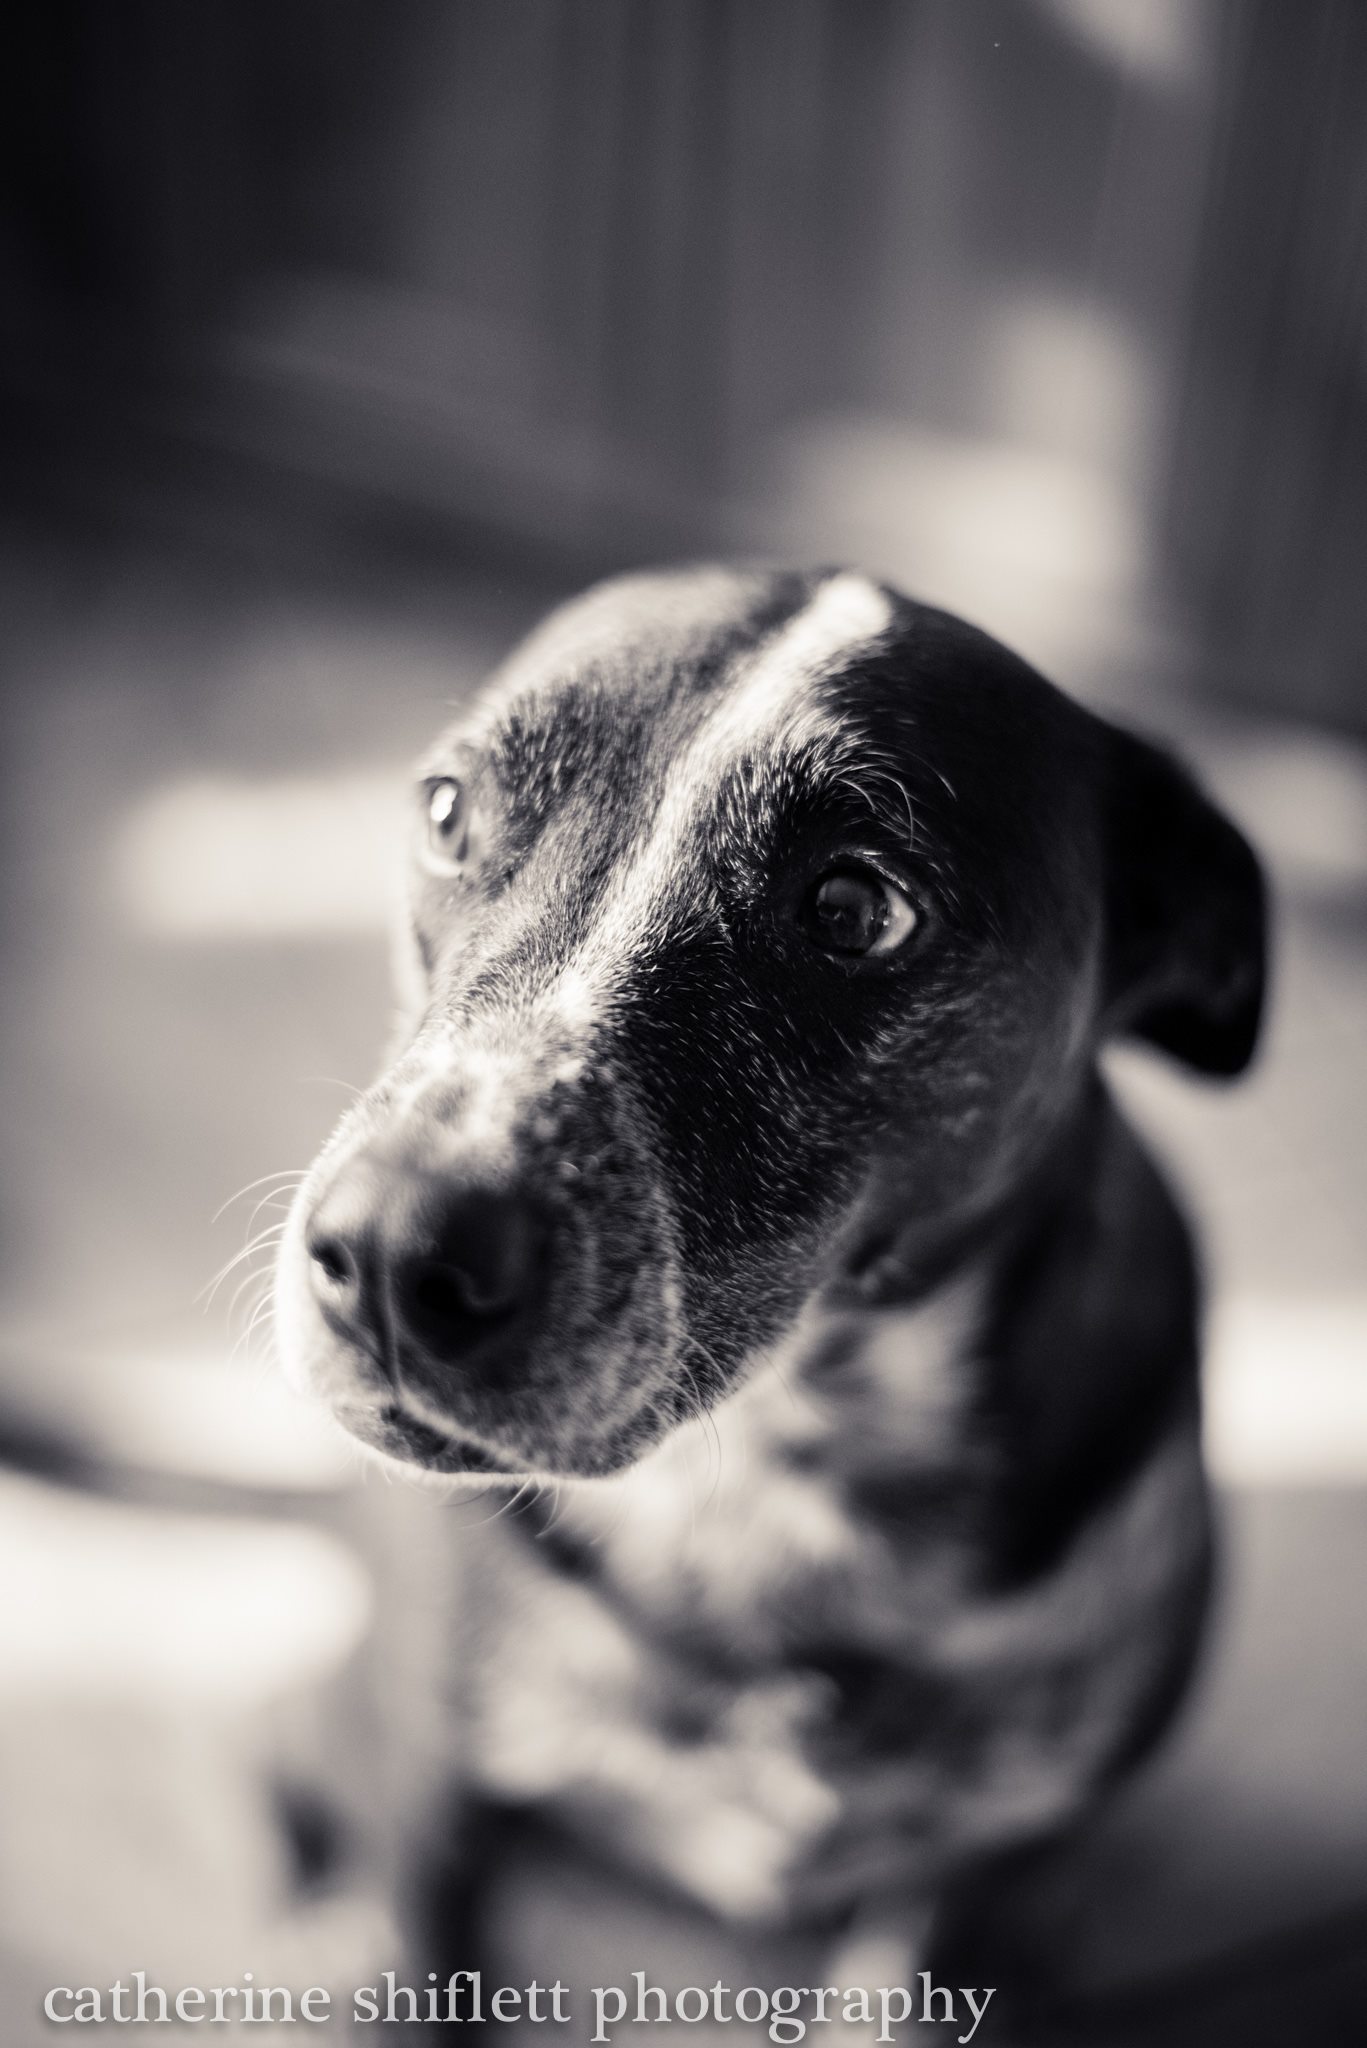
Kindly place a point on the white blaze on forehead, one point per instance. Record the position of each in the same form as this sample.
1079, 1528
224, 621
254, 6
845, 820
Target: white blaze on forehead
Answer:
772, 699
842, 621
843, 618
768, 698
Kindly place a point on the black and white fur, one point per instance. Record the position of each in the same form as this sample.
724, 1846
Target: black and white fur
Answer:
855, 1353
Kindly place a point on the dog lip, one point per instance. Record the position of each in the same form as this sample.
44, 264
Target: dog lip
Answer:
432, 1442
400, 1434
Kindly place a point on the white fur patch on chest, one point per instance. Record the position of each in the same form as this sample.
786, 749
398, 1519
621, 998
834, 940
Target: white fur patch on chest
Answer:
742, 1516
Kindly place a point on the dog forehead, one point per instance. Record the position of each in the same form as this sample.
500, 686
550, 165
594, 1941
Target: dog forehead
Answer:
656, 654
640, 635
686, 674
619, 782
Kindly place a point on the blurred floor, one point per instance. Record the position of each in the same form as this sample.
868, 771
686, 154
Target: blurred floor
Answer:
176, 1026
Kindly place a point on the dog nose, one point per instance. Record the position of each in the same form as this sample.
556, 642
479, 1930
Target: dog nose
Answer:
468, 1271
400, 1255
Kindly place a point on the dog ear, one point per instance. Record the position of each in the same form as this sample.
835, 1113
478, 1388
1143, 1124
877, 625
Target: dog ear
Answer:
1186, 915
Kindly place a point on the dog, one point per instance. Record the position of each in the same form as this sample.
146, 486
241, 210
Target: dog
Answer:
744, 1203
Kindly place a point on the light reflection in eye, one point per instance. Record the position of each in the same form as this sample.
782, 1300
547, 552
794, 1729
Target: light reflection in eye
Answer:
448, 836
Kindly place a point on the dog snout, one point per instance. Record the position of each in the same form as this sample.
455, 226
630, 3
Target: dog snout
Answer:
404, 1259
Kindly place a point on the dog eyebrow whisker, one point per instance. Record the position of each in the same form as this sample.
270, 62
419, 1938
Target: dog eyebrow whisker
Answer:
886, 775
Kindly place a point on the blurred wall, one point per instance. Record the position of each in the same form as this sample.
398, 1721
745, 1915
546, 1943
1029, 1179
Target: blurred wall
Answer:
1052, 308
1266, 523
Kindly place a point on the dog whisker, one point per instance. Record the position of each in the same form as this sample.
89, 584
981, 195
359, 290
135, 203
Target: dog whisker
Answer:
295, 1174
256, 1245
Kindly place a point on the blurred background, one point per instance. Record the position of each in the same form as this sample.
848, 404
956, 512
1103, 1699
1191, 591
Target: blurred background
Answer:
336, 341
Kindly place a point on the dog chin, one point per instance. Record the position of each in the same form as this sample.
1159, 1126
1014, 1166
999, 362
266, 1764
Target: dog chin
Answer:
397, 1437
424, 1445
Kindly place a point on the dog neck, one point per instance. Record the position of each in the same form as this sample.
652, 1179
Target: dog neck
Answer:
1032, 1377
760, 1509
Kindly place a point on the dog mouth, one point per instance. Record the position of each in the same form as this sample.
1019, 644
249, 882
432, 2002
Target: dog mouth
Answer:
418, 1425
395, 1433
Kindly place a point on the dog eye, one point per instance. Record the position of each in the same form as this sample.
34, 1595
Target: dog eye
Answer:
448, 829
855, 912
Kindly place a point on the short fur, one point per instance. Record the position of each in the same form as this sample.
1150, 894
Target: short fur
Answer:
861, 1374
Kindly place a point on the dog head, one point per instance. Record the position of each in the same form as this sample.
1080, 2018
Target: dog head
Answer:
762, 932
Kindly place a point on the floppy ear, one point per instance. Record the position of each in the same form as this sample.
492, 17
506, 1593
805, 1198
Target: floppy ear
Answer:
1186, 915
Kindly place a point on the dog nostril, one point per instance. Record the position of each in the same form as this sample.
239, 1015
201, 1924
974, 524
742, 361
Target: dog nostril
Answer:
333, 1261
441, 1296
345, 1259
482, 1262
